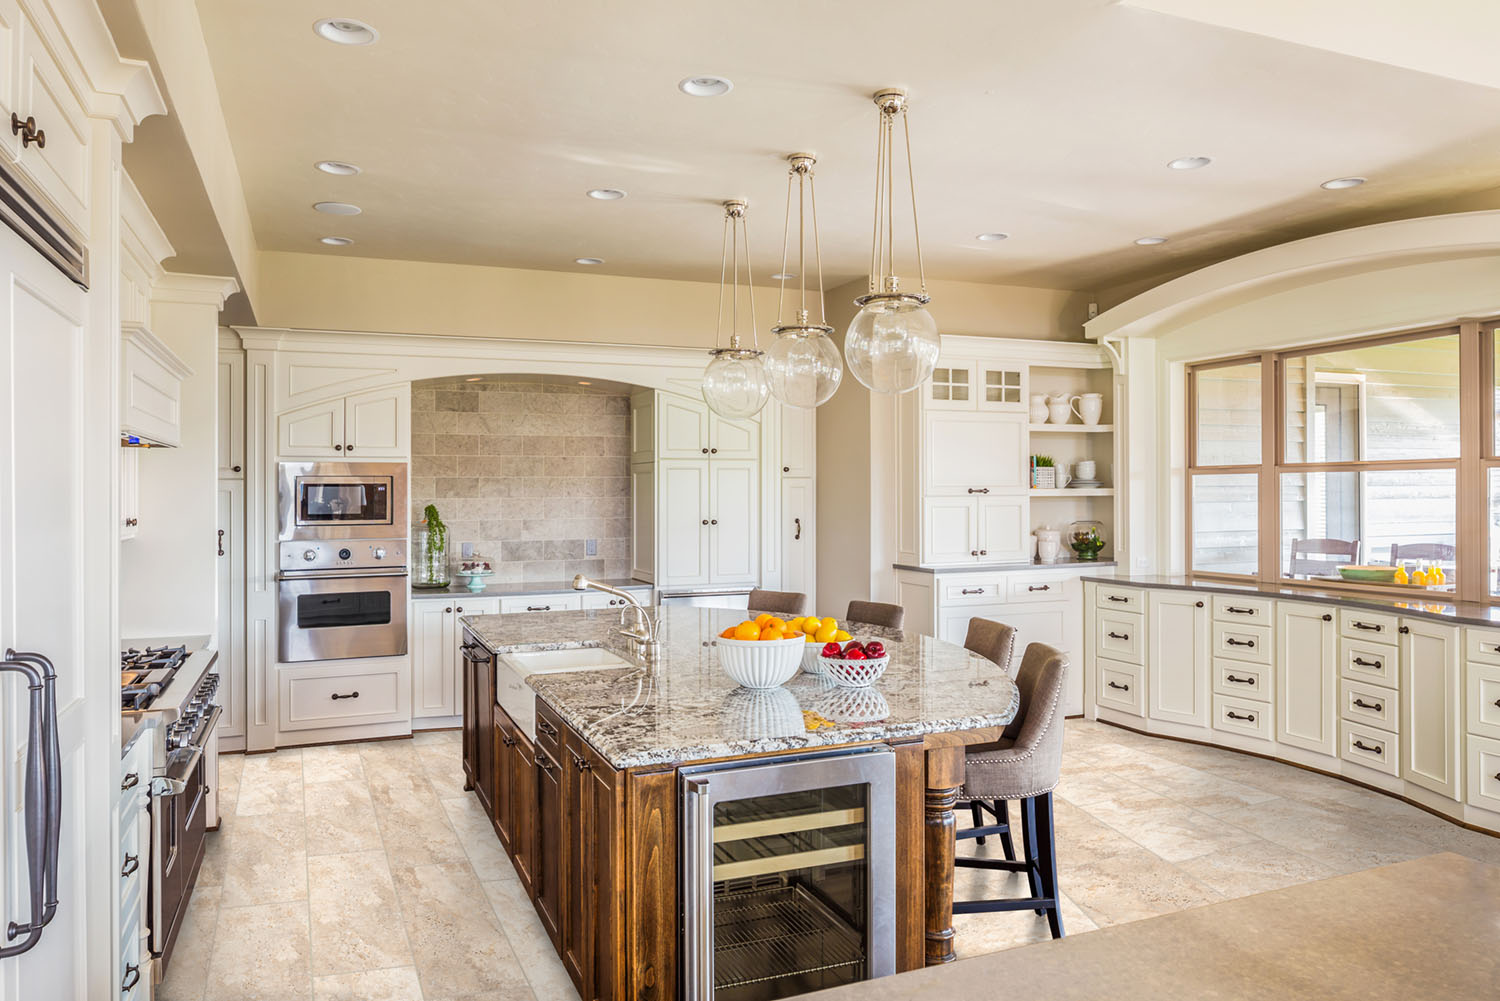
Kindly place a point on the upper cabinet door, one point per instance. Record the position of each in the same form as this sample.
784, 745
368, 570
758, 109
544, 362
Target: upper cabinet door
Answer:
950, 531
311, 432
952, 386
61, 167
231, 414
642, 426
1001, 387
682, 427
798, 440
975, 454
1004, 526
683, 519
733, 533
375, 423
732, 439
10, 143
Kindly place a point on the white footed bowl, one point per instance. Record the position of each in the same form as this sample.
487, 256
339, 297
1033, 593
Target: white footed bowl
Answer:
761, 664
757, 714
855, 673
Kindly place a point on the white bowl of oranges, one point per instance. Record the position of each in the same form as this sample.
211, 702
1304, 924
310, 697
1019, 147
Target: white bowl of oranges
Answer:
760, 654
815, 632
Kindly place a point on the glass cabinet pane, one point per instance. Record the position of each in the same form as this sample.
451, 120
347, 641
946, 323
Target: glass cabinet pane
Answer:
1373, 402
950, 384
1380, 518
1001, 386
1226, 526
1228, 415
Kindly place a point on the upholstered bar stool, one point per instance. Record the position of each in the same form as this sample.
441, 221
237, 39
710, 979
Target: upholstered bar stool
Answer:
783, 603
997, 642
876, 613
1025, 764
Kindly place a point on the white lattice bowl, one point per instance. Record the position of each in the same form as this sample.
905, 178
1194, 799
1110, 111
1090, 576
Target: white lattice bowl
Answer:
854, 673
853, 705
760, 664
756, 714
812, 658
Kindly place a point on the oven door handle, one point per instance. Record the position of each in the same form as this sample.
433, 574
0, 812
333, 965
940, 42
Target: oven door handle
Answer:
289, 576
174, 781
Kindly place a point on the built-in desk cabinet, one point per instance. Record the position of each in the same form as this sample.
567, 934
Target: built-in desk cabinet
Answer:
1406, 704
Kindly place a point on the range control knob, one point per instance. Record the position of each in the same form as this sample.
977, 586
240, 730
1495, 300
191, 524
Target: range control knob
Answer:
379, 553
345, 554
309, 555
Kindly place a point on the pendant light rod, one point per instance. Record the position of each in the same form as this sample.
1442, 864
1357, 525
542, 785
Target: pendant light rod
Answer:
736, 235
883, 279
801, 174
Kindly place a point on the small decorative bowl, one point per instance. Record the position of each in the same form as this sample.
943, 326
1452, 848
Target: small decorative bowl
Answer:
760, 664
1369, 575
854, 673
812, 658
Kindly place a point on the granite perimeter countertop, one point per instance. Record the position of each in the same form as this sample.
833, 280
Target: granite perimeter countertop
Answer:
1428, 604
517, 589
1007, 567
687, 709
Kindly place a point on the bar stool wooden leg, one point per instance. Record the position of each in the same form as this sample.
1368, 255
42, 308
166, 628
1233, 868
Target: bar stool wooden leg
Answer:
1029, 839
1002, 816
978, 812
1047, 862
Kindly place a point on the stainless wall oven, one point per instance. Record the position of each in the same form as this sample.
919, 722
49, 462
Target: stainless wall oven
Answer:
789, 874
342, 500
338, 614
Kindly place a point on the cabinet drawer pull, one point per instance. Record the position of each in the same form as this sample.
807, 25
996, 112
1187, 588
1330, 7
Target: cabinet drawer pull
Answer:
1495, 647
1368, 705
132, 977
1234, 642
448, 610
1039, 587
1231, 714
27, 130
1239, 681
538, 608
546, 728
1372, 627
1236, 610
1123, 688
798, 523
1373, 749
972, 590
336, 696
1404, 630
1197, 604
543, 762
979, 490
1327, 617
132, 863
1117, 636
130, 782
1116, 597
1361, 662
507, 741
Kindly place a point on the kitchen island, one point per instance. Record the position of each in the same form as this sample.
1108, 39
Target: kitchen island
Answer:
586, 796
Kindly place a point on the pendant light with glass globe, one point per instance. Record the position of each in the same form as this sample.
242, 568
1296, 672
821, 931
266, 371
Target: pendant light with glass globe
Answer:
734, 383
803, 363
892, 343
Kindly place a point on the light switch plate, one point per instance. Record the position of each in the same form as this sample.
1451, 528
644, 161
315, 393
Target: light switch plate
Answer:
591, 547
466, 549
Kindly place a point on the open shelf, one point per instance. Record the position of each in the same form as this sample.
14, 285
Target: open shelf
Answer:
1080, 492
1071, 428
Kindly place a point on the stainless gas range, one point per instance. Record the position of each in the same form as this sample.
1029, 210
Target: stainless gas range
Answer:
175, 687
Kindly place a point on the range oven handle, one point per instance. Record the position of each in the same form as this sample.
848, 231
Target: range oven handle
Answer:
295, 575
174, 782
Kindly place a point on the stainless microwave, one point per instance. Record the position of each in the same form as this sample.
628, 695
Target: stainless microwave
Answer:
342, 500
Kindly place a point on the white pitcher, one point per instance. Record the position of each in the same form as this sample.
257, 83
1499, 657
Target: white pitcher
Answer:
1048, 544
1038, 409
1090, 407
1059, 408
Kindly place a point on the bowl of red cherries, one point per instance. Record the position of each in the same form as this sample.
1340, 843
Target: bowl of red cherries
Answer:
854, 664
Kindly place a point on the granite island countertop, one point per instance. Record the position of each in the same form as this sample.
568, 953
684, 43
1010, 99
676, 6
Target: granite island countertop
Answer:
1423, 604
686, 708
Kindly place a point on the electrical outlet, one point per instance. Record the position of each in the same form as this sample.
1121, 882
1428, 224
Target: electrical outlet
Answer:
591, 547
466, 550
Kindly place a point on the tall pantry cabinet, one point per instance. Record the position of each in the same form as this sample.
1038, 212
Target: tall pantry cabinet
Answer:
231, 542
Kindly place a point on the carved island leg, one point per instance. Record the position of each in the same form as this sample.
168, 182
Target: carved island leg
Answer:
945, 776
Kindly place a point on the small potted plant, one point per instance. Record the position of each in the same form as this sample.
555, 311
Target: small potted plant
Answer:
430, 551
1087, 539
1043, 472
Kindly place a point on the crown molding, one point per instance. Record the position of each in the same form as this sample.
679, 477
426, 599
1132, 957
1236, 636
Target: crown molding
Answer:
193, 290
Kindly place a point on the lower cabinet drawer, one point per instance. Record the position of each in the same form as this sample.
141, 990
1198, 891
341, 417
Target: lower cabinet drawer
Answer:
1236, 609
1120, 687
1484, 773
1356, 623
1109, 596
973, 589
1030, 586
541, 603
1242, 716
598, 599
1119, 636
1365, 745
1371, 704
1482, 645
337, 696
1242, 681
1484, 699
1365, 661
1251, 644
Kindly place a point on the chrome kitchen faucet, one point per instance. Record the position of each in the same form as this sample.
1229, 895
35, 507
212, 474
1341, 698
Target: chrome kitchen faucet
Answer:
643, 642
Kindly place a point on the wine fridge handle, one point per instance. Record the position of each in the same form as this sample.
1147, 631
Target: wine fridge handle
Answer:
698, 890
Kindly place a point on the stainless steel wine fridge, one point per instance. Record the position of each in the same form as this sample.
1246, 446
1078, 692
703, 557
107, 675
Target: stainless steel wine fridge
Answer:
789, 874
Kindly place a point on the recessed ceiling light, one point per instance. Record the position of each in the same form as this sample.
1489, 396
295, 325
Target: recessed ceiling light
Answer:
1338, 183
705, 86
583, 382
992, 237
588, 260
339, 167
782, 276
1150, 241
338, 208
606, 194
1190, 162
345, 31
336, 241
474, 378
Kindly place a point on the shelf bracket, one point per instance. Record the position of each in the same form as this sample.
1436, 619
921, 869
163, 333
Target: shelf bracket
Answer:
1116, 348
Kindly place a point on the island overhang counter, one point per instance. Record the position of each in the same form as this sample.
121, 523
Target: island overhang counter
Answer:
588, 804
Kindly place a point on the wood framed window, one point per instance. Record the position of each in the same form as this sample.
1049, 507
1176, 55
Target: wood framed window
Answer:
1378, 451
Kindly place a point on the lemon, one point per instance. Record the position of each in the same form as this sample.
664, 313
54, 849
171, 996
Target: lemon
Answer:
842, 636
831, 622
774, 623
796, 624
825, 634
810, 639
762, 619
811, 624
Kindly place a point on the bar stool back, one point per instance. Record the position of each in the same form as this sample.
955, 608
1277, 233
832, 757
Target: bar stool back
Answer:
997, 642
1025, 764
876, 613
783, 603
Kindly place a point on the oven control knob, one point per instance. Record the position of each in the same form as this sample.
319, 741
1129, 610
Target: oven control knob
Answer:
309, 554
345, 554
379, 553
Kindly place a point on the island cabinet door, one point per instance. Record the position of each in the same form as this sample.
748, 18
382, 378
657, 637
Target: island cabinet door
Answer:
577, 890
523, 834
483, 667
547, 867
1307, 710
604, 858
504, 815
1177, 657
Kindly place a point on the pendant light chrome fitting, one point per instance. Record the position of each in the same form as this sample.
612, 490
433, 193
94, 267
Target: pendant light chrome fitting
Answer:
734, 383
892, 344
803, 363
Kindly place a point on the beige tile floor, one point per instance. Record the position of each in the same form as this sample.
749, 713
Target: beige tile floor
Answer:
363, 872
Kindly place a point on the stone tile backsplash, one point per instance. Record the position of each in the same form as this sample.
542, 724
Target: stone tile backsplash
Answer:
527, 470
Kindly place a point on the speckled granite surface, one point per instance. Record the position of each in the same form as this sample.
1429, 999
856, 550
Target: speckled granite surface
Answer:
687, 709
515, 588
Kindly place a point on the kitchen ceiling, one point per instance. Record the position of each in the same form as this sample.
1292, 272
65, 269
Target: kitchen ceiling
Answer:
480, 126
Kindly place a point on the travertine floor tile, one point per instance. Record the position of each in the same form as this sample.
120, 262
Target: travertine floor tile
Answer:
332, 763
477, 836
528, 939
356, 924
260, 953
265, 859
455, 937
341, 818
270, 783
398, 984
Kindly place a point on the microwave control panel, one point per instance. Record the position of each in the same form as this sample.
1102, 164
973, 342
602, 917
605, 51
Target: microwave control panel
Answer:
348, 554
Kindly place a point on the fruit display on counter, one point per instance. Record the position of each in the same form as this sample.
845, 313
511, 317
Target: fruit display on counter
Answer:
817, 630
854, 664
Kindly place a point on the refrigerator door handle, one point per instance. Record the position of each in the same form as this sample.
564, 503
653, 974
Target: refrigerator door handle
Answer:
43, 798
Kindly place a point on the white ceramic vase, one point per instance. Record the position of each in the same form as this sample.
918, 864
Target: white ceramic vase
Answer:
1038, 409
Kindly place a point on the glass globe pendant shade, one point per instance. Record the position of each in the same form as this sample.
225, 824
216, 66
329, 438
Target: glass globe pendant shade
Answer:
735, 384
892, 343
804, 366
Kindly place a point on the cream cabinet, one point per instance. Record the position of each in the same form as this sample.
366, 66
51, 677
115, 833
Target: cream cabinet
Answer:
798, 540
369, 425
1177, 655
60, 165
1431, 706
687, 429
436, 665
1307, 708
959, 530
968, 455
130, 492
798, 441
682, 496
970, 384
708, 521
231, 618
150, 388
231, 401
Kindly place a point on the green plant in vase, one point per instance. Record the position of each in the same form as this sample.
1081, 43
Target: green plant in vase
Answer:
435, 555
1087, 540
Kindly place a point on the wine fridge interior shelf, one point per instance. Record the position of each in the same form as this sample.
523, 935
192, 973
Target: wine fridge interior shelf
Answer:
778, 932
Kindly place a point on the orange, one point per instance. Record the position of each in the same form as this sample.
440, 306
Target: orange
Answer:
772, 633
774, 623
763, 618
746, 631
727, 634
